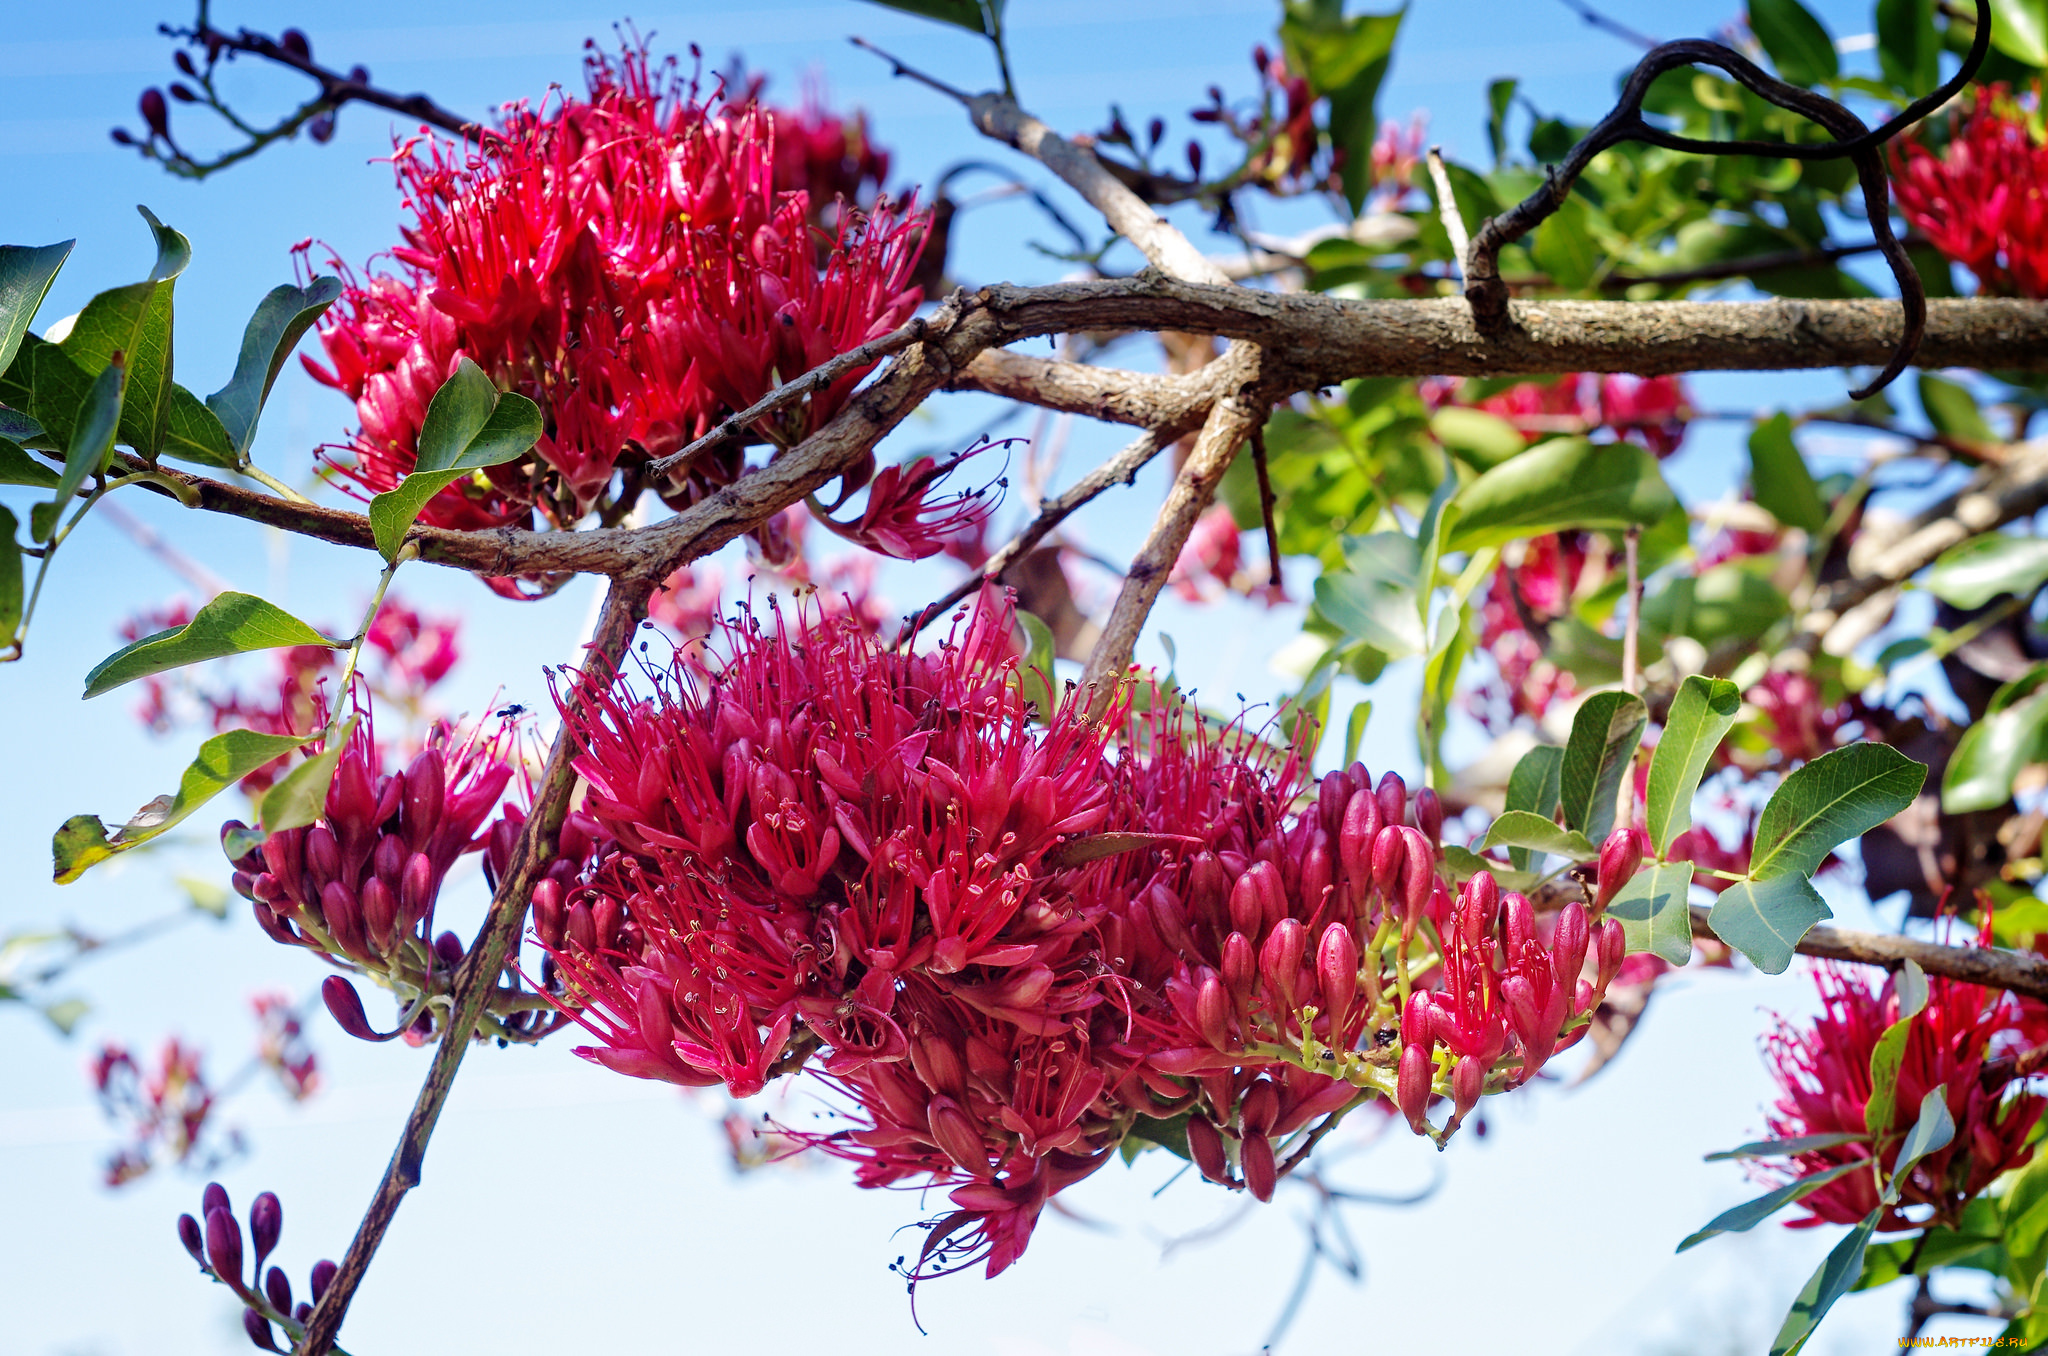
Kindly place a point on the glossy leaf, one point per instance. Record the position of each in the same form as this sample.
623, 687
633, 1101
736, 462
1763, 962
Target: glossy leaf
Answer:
1989, 756
1532, 786
1035, 674
1796, 42
300, 796
1565, 248
135, 322
2019, 28
1932, 1132
195, 433
281, 320
11, 579
1885, 1058
26, 272
1480, 439
92, 442
1833, 1280
1744, 1217
1373, 598
1655, 913
469, 425
1520, 828
17, 467
1702, 713
1972, 573
1909, 48
965, 14
1787, 1148
1910, 984
233, 623
47, 386
1605, 733
1953, 410
223, 760
1345, 57
1783, 484
1840, 795
1764, 919
1730, 601
1564, 483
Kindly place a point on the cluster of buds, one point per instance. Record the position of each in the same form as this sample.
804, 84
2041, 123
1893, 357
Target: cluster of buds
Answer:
1006, 934
215, 1241
167, 1111
1958, 1043
282, 1048
1650, 411
1533, 586
359, 885
634, 260
1983, 199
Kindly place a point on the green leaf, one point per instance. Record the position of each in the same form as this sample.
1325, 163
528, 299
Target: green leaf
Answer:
1744, 1217
1910, 984
1796, 42
1654, 911
1734, 600
1604, 736
1972, 573
1170, 1134
1354, 730
26, 272
1462, 863
281, 320
92, 442
207, 896
195, 433
135, 322
223, 760
1373, 598
1953, 410
2019, 28
65, 1014
48, 387
173, 250
1909, 49
469, 425
1532, 786
1035, 676
1344, 58
1520, 828
1565, 248
1483, 440
1885, 1058
1764, 919
10, 579
232, 623
1828, 1284
1701, 714
300, 796
1564, 483
17, 467
1787, 1148
1783, 484
1840, 795
1989, 756
1931, 1133
965, 14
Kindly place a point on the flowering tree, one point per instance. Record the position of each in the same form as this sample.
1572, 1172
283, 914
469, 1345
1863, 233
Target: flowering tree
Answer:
1023, 919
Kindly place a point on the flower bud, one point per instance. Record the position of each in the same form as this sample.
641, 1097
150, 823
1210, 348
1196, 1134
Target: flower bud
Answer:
1412, 1086
215, 1197
1331, 794
380, 915
1209, 890
224, 1247
1429, 816
155, 112
1212, 1009
954, 1132
549, 917
582, 928
1468, 1081
1318, 872
1280, 962
606, 916
1518, 923
1205, 1146
418, 883
1356, 838
1393, 798
448, 949
938, 1064
657, 1029
1418, 1021
277, 1288
1610, 947
258, 1328
183, 93
1620, 856
1261, 1174
1337, 974
1389, 855
284, 856
323, 1276
323, 859
1245, 910
1526, 1016
183, 63
1418, 878
344, 916
387, 863
1240, 967
1478, 908
359, 74
1259, 1108
266, 1222
419, 810
346, 1007
294, 41
351, 799
1568, 946
193, 1238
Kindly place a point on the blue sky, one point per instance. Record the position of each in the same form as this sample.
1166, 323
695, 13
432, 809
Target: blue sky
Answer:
563, 1205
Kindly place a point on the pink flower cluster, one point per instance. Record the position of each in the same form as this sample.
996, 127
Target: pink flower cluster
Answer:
1652, 411
165, 1110
1011, 938
1983, 199
639, 262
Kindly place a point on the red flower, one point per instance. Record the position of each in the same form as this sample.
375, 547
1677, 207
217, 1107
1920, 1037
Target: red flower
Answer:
903, 518
1983, 201
1824, 1074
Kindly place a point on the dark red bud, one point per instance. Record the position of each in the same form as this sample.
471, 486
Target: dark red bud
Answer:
224, 1247
1205, 1146
258, 1328
1478, 908
953, 1130
1245, 913
582, 928
1468, 1081
1280, 962
1260, 1107
448, 949
1337, 974
122, 137
1393, 796
1209, 890
1195, 157
1240, 966
389, 858
295, 42
215, 1197
1568, 945
549, 917
1412, 1086
344, 915
155, 112
194, 1239
1357, 835
1155, 129
1212, 1009
266, 1222
1318, 872
323, 1276
1418, 878
1429, 816
183, 63
1518, 923
1418, 1021
277, 1288
1389, 855
351, 797
419, 811
417, 886
345, 1005
359, 74
182, 94
1610, 946
1620, 856
1255, 1156
657, 1028
323, 858
1527, 1020
380, 915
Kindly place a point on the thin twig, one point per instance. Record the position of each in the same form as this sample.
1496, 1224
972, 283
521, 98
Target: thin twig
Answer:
1276, 587
1595, 19
1447, 210
476, 978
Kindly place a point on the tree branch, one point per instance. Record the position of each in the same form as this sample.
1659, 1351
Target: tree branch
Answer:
476, 978
2015, 971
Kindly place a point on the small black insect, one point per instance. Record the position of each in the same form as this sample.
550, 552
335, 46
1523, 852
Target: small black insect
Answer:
508, 712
